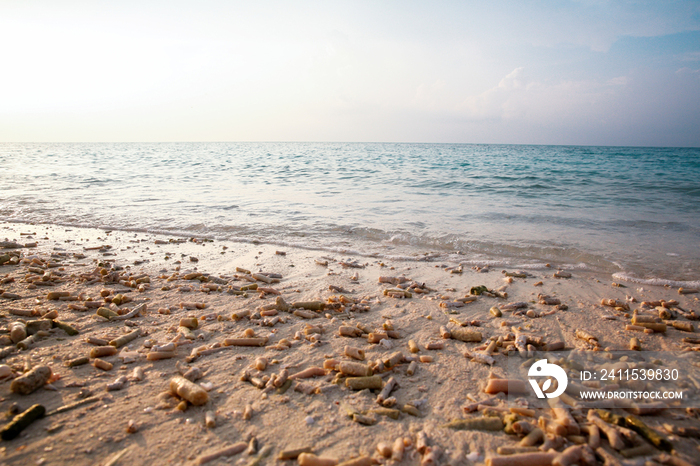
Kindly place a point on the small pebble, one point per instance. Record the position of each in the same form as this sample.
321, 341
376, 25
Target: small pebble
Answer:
132, 427
474, 456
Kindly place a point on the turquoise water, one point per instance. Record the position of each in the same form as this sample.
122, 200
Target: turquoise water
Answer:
614, 209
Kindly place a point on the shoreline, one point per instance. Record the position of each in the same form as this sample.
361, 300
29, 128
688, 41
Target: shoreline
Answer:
411, 254
440, 389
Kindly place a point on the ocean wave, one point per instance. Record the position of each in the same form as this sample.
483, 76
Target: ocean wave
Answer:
525, 265
367, 246
656, 281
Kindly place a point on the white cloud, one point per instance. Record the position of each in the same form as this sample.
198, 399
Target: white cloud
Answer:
429, 96
516, 97
503, 101
687, 71
514, 80
618, 81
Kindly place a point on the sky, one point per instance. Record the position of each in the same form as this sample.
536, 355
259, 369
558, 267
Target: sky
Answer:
584, 72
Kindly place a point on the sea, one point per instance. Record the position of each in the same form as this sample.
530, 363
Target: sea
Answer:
633, 212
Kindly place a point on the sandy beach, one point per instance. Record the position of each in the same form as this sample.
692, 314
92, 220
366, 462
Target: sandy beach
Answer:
350, 233
130, 416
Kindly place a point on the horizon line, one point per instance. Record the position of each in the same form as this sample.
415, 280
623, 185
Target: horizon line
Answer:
641, 146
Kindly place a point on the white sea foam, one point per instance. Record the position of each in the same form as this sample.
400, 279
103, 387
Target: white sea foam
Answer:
656, 281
